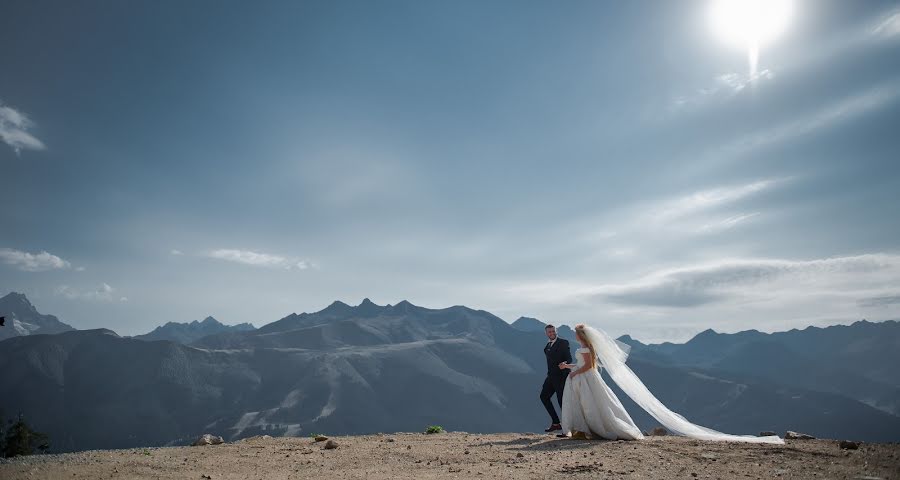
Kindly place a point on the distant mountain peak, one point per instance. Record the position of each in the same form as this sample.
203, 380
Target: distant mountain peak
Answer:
336, 306
186, 333
529, 319
404, 306
629, 340
14, 299
528, 324
24, 319
369, 308
707, 333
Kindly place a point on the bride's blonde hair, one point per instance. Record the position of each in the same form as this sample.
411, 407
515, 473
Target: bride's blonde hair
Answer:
579, 334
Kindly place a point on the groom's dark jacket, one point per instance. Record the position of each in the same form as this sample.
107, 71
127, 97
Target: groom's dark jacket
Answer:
557, 354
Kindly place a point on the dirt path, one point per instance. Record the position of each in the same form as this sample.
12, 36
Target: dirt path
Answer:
461, 455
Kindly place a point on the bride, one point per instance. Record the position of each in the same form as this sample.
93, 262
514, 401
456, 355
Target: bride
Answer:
590, 408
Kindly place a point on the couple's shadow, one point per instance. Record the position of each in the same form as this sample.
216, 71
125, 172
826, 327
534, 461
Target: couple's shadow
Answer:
539, 444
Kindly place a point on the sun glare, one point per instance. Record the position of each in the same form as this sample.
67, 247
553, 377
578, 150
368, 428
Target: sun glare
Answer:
750, 24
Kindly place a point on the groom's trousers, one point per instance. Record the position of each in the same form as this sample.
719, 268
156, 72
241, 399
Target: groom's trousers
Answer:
553, 384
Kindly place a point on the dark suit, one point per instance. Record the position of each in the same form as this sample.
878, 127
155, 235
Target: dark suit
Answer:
556, 378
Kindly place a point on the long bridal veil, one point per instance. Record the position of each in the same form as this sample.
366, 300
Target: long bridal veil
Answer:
612, 355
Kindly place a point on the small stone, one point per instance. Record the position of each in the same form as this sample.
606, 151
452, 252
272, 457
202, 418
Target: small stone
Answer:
519, 455
208, 439
659, 432
330, 445
320, 438
767, 433
848, 445
390, 440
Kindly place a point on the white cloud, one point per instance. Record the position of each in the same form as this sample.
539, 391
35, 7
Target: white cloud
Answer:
258, 259
864, 278
32, 262
103, 293
14, 127
728, 295
176, 252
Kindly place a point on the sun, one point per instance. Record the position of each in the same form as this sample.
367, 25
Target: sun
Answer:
750, 24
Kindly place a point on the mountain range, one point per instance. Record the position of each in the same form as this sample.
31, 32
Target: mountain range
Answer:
369, 368
186, 333
858, 361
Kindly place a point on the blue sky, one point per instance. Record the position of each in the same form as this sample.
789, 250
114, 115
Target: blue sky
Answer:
614, 163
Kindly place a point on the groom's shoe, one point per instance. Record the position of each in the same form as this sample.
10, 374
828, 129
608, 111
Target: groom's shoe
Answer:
554, 428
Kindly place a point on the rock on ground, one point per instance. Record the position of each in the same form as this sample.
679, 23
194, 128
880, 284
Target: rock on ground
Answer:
789, 435
460, 455
208, 439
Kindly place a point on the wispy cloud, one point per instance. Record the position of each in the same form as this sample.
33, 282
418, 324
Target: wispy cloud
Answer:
670, 210
176, 252
727, 223
705, 212
14, 130
862, 279
722, 88
103, 293
258, 259
838, 112
889, 26
882, 301
32, 262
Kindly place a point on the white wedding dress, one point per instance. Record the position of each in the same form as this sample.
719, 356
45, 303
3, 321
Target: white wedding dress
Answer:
590, 406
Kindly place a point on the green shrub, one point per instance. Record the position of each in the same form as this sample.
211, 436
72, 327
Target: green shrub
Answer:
434, 429
20, 439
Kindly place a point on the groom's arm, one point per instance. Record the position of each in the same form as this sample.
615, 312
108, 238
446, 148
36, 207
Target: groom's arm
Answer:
567, 354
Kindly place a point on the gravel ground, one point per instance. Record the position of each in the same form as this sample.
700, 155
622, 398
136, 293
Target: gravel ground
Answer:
463, 455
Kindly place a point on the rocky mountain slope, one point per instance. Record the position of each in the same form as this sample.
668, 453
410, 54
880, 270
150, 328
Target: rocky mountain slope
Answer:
361, 369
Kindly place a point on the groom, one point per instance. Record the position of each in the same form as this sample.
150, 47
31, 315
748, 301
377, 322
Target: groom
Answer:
556, 351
